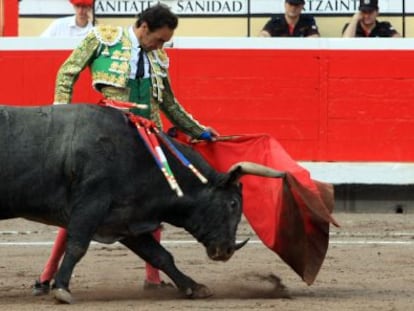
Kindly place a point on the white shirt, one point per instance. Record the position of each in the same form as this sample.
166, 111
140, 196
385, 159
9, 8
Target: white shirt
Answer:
66, 27
134, 56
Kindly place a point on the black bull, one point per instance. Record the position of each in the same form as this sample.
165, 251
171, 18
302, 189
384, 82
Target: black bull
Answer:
85, 168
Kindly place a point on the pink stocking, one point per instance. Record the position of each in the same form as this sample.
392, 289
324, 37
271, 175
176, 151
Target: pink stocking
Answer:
153, 275
56, 254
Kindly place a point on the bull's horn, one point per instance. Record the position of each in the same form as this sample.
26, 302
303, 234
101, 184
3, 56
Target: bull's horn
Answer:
251, 168
241, 244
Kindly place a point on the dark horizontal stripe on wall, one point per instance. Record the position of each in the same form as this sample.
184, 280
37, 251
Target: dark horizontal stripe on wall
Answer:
214, 16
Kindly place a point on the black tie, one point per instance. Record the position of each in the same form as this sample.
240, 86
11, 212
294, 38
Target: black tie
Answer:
140, 65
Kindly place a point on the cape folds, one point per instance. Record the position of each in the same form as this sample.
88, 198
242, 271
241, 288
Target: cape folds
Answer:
291, 215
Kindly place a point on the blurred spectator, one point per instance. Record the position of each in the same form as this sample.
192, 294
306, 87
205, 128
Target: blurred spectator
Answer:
292, 24
77, 25
364, 23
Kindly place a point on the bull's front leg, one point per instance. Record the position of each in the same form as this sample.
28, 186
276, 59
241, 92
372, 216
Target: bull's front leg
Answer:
75, 250
81, 228
146, 247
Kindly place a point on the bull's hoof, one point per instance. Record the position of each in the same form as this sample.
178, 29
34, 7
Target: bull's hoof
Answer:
62, 295
41, 288
198, 292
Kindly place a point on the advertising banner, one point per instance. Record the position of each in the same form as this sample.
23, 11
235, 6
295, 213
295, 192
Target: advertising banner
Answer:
210, 7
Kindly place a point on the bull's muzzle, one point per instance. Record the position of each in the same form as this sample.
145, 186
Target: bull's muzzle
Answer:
223, 252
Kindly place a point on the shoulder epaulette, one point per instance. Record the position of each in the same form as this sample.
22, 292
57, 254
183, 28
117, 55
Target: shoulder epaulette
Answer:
107, 34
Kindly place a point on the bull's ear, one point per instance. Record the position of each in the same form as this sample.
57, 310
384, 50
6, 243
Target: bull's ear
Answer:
233, 175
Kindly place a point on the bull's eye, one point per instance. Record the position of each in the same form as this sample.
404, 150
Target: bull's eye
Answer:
233, 204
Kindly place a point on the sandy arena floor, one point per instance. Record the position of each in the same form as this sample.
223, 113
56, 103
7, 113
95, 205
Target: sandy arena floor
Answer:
369, 266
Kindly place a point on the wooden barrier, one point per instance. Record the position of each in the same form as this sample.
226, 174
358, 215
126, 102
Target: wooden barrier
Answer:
323, 99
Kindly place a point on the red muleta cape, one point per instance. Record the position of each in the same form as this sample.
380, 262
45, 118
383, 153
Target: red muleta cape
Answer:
291, 215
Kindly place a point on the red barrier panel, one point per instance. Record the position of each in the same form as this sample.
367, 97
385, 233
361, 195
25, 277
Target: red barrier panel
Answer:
324, 105
321, 105
29, 78
9, 16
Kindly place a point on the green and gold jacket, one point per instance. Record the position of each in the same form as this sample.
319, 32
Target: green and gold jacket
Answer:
107, 51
